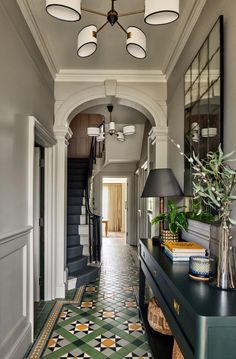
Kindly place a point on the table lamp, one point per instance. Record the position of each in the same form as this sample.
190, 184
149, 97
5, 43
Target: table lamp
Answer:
161, 183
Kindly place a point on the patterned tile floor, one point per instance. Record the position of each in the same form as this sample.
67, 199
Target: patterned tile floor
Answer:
106, 324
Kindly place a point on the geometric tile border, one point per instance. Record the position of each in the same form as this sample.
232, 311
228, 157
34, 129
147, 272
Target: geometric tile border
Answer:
41, 341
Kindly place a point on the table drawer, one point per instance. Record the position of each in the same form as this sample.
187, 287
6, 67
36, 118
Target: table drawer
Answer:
181, 336
185, 318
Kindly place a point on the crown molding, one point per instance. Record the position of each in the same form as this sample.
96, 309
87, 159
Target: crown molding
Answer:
148, 76
179, 44
37, 35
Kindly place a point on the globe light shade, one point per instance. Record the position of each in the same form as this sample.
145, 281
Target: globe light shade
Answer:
129, 130
67, 10
101, 137
87, 41
120, 136
93, 131
161, 12
112, 128
136, 42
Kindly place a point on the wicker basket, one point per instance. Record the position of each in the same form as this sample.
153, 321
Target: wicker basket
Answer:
168, 236
176, 354
156, 318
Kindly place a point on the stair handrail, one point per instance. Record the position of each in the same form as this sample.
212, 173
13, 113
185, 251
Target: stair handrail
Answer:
94, 220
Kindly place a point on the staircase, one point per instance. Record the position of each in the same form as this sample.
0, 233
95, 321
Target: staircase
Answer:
78, 248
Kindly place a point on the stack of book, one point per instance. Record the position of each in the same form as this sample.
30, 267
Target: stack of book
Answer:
181, 251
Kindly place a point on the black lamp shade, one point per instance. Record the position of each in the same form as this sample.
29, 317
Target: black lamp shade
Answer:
161, 182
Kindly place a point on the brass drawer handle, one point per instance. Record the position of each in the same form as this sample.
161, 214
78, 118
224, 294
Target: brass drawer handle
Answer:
176, 307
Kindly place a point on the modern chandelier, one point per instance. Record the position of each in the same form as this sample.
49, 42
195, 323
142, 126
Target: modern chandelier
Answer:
100, 132
156, 12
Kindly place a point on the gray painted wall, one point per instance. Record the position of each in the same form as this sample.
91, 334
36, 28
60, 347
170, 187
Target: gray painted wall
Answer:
26, 88
212, 10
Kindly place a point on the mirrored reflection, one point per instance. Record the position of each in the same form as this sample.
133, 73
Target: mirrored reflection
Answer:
203, 101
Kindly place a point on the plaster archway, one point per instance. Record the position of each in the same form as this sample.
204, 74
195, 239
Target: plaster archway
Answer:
127, 96
154, 111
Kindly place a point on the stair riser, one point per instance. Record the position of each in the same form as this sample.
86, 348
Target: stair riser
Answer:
75, 177
76, 219
77, 185
77, 171
72, 229
74, 210
77, 165
75, 201
75, 192
77, 265
74, 252
91, 277
73, 240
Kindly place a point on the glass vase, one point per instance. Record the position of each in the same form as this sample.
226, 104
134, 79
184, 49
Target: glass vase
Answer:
225, 267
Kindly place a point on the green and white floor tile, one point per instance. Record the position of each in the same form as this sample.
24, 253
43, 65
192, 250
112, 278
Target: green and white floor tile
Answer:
106, 323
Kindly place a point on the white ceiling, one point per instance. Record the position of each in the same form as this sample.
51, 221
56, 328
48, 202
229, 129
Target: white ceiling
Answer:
58, 39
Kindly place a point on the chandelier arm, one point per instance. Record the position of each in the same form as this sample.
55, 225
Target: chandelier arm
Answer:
122, 28
102, 27
132, 13
94, 12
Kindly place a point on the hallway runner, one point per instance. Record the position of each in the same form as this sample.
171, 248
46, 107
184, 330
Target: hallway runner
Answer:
106, 323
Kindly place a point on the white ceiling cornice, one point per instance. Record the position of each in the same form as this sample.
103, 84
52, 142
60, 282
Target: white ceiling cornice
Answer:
152, 76
148, 76
27, 13
180, 41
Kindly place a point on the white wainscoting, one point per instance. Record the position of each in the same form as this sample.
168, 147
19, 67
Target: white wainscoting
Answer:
15, 326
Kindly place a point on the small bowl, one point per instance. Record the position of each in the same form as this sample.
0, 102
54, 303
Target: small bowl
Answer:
199, 267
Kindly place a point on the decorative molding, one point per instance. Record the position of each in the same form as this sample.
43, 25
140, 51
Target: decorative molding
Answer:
155, 111
183, 38
198, 232
161, 134
31, 22
62, 133
42, 136
147, 76
10, 236
110, 87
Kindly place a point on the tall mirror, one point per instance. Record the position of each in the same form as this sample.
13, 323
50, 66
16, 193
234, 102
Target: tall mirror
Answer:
203, 130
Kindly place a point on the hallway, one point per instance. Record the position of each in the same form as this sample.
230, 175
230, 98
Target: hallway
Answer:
106, 324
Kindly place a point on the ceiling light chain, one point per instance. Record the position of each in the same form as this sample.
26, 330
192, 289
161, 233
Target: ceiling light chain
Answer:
156, 12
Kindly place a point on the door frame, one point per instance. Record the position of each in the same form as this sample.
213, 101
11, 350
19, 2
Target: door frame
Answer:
130, 212
126, 201
38, 133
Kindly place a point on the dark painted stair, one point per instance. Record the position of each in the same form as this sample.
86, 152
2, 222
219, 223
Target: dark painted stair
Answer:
79, 271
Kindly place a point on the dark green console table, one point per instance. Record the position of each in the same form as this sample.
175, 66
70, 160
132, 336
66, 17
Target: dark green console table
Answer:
202, 318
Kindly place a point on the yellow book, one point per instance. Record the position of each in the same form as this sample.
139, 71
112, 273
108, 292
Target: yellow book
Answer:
185, 247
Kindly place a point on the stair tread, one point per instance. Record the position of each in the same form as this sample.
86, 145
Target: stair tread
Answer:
83, 272
77, 259
74, 246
